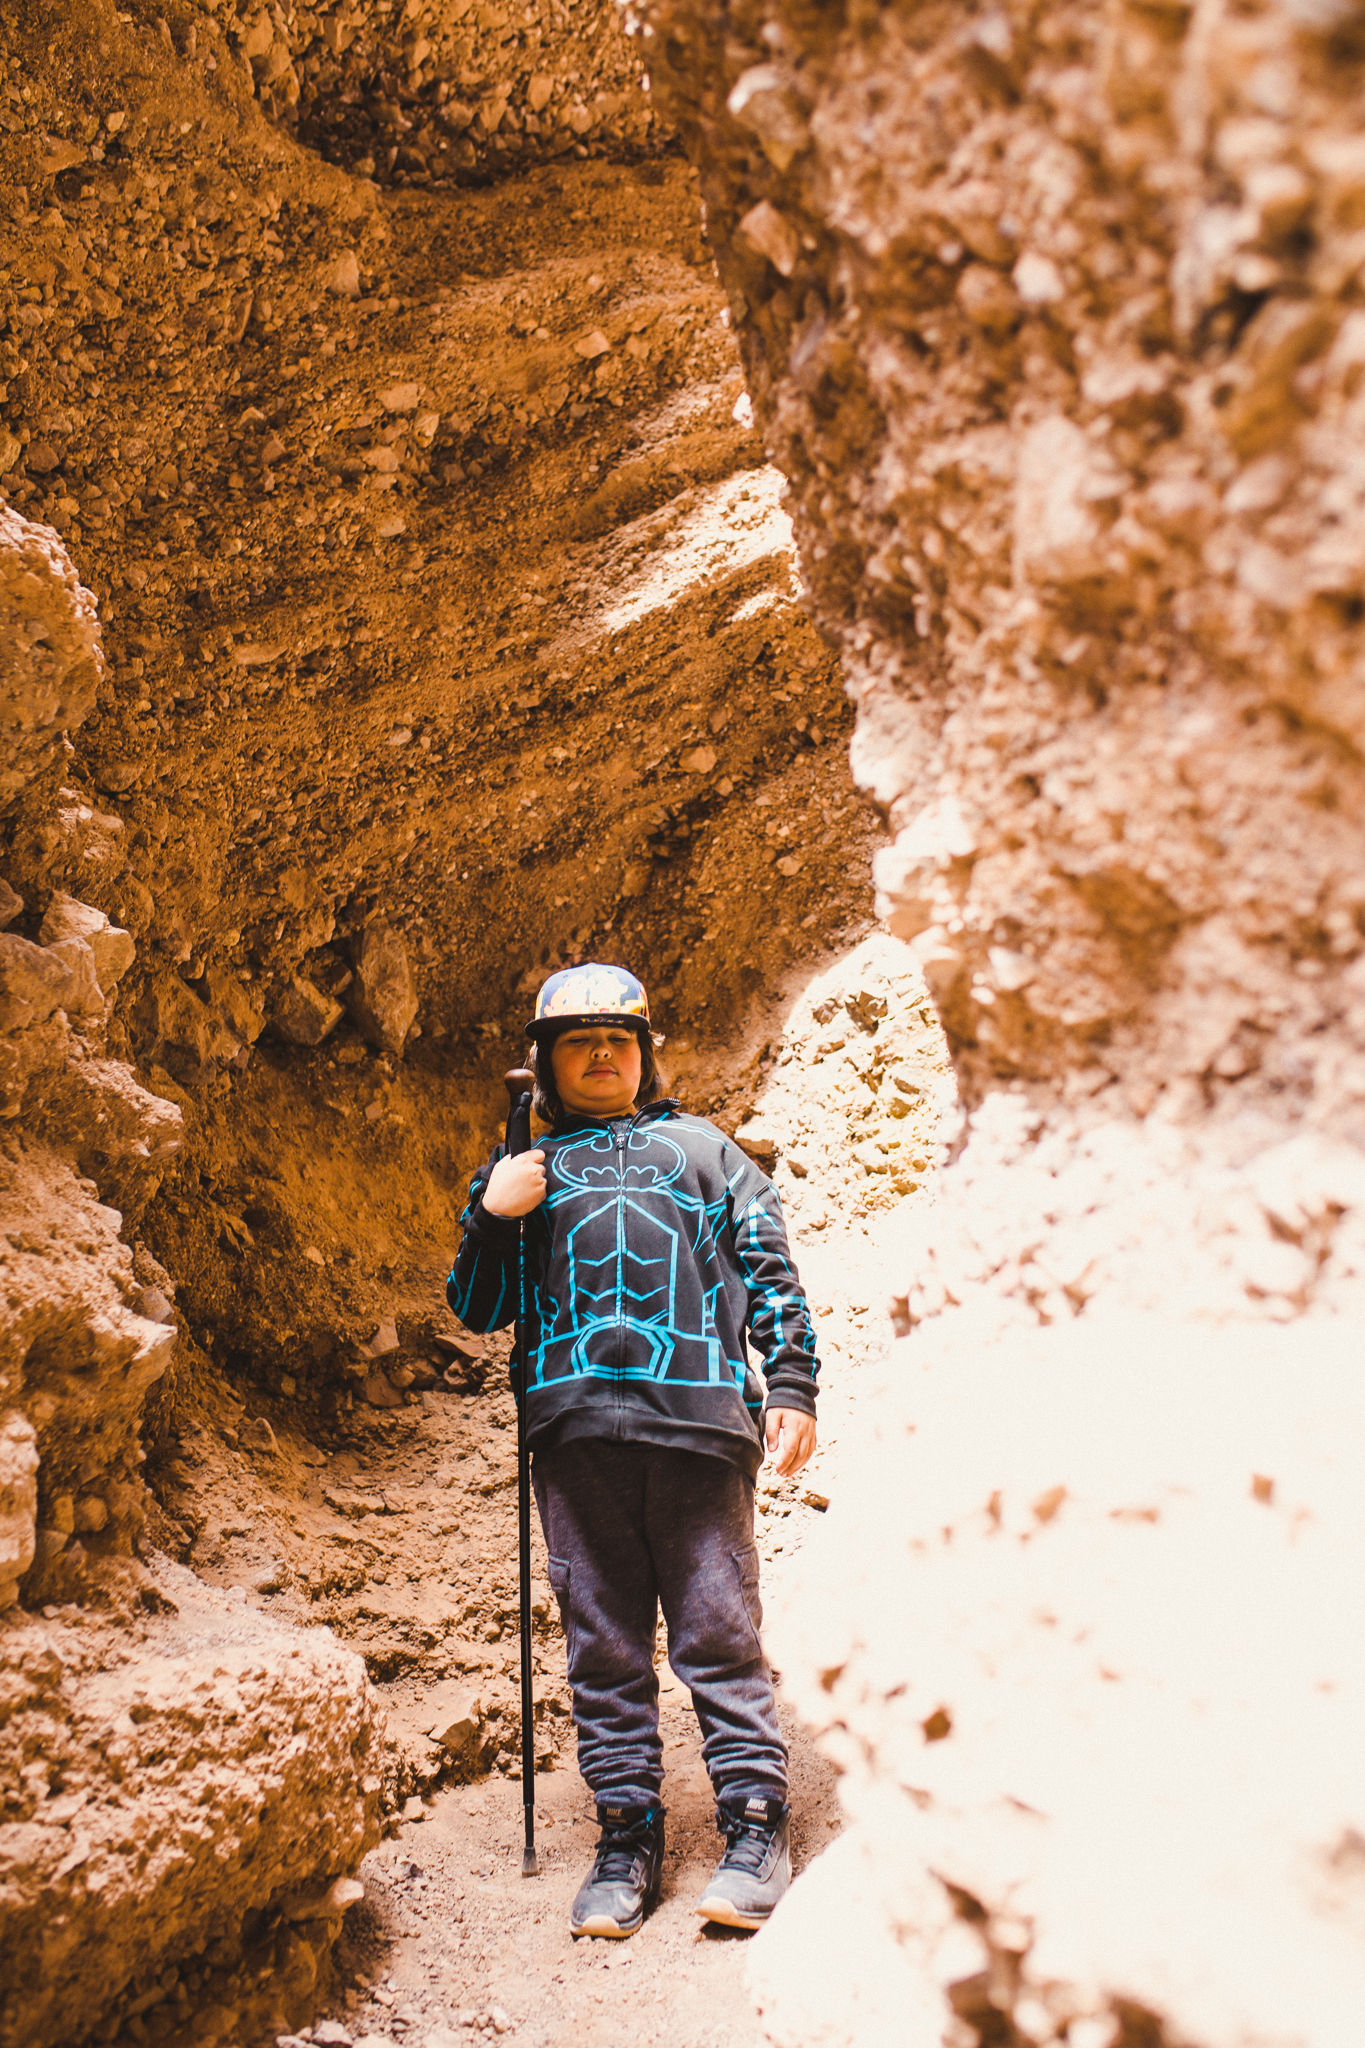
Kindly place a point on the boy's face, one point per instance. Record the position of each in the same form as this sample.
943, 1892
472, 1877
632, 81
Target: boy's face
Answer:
597, 1069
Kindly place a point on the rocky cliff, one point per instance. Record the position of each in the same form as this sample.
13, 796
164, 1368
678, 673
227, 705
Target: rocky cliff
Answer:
1052, 320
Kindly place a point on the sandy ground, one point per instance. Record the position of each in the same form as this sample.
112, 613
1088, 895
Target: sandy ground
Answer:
451, 1936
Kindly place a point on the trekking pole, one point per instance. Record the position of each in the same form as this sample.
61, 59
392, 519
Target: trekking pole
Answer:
520, 1081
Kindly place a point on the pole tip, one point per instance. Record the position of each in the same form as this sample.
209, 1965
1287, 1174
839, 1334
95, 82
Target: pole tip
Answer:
520, 1081
529, 1865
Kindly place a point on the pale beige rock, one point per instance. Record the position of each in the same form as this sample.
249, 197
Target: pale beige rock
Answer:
51, 661
18, 1502
251, 1746
455, 1718
114, 949
1097, 580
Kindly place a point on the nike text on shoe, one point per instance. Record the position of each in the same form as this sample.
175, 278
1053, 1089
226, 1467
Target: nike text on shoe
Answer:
624, 1880
757, 1865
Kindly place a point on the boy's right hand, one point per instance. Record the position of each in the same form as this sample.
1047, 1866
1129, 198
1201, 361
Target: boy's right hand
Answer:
516, 1185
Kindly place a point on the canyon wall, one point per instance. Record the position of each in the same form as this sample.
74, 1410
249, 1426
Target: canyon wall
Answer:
1054, 321
401, 598
396, 603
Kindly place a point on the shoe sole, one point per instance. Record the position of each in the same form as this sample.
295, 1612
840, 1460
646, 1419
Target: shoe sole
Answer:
726, 1914
609, 1930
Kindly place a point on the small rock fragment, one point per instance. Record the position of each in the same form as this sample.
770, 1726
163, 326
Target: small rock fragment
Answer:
699, 761
256, 1435
342, 275
988, 299
303, 1014
760, 1144
379, 1391
325, 1903
400, 398
382, 998
384, 1340
772, 235
1038, 280
763, 99
456, 1718
590, 345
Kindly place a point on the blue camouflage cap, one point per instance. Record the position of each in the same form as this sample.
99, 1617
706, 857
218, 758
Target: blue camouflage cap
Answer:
590, 994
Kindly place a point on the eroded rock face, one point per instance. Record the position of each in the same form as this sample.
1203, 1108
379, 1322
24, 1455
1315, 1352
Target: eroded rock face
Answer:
1052, 322
134, 1750
452, 633
51, 662
1065, 387
206, 1740
441, 93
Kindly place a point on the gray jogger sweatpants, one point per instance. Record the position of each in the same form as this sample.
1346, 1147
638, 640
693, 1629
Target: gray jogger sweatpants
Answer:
630, 1527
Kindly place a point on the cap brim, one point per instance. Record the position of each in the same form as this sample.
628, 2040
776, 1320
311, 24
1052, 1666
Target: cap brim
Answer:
544, 1027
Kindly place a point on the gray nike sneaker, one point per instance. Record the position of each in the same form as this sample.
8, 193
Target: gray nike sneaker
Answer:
624, 1880
757, 1865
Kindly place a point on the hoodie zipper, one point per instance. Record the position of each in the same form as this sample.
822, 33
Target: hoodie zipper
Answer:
620, 1138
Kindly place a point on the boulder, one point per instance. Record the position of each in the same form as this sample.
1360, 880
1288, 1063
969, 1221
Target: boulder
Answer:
182, 1021
219, 1764
50, 657
382, 998
85, 998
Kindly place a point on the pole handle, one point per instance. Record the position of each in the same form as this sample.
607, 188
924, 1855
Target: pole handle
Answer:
519, 1083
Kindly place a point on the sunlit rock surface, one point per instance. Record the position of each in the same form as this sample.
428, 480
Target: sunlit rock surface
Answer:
1053, 324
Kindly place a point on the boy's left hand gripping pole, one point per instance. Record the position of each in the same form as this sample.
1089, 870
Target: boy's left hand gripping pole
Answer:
520, 1082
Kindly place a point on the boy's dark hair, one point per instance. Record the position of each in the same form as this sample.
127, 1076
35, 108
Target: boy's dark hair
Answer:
546, 1102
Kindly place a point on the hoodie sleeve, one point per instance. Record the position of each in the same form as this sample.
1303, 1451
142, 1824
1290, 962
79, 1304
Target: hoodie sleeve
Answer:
482, 1288
779, 1320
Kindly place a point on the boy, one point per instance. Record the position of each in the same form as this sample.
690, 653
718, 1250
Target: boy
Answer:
653, 1247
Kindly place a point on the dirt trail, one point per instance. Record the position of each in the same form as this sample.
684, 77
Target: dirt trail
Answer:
450, 1943
450, 1936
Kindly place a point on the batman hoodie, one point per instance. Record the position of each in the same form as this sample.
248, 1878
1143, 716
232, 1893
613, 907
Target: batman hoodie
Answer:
658, 1257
